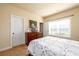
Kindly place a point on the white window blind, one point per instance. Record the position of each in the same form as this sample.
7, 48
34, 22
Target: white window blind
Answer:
60, 27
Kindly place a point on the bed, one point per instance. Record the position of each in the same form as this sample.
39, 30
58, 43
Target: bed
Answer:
53, 46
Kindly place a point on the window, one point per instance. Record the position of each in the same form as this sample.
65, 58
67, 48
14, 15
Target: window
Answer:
60, 27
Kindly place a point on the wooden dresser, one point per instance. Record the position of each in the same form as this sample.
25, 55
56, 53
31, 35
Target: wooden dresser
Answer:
29, 36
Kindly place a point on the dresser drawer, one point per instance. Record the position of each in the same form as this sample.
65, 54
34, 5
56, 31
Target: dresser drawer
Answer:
32, 35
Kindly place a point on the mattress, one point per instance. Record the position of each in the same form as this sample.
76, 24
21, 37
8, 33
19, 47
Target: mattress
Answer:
53, 46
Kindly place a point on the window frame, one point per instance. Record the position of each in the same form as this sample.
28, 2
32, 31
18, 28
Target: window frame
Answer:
58, 20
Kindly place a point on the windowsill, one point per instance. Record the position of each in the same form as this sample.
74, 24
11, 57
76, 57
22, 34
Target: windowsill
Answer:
60, 37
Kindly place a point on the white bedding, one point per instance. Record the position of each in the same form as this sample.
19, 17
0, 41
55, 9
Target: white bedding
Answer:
53, 46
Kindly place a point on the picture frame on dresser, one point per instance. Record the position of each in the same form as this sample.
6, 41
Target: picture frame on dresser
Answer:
33, 25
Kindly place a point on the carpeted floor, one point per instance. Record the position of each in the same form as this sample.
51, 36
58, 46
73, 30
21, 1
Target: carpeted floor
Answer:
16, 51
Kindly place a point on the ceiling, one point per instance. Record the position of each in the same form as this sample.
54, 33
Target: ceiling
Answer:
45, 9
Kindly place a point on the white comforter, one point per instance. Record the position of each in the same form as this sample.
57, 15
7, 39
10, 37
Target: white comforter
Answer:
52, 46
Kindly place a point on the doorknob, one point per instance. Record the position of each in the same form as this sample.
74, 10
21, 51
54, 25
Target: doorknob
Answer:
13, 33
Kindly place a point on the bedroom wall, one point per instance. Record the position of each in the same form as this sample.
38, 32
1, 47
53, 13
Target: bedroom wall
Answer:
45, 29
6, 11
74, 21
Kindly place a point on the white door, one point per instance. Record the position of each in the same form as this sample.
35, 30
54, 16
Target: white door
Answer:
17, 31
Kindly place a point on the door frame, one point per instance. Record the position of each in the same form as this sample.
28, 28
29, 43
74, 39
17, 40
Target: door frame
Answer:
11, 28
42, 27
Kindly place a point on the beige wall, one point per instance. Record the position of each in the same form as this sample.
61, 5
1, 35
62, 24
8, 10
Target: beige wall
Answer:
5, 22
74, 21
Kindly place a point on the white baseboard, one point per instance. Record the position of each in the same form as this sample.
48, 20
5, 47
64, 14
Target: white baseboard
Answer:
6, 48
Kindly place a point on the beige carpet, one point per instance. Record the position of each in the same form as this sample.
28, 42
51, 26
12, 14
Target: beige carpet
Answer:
16, 51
